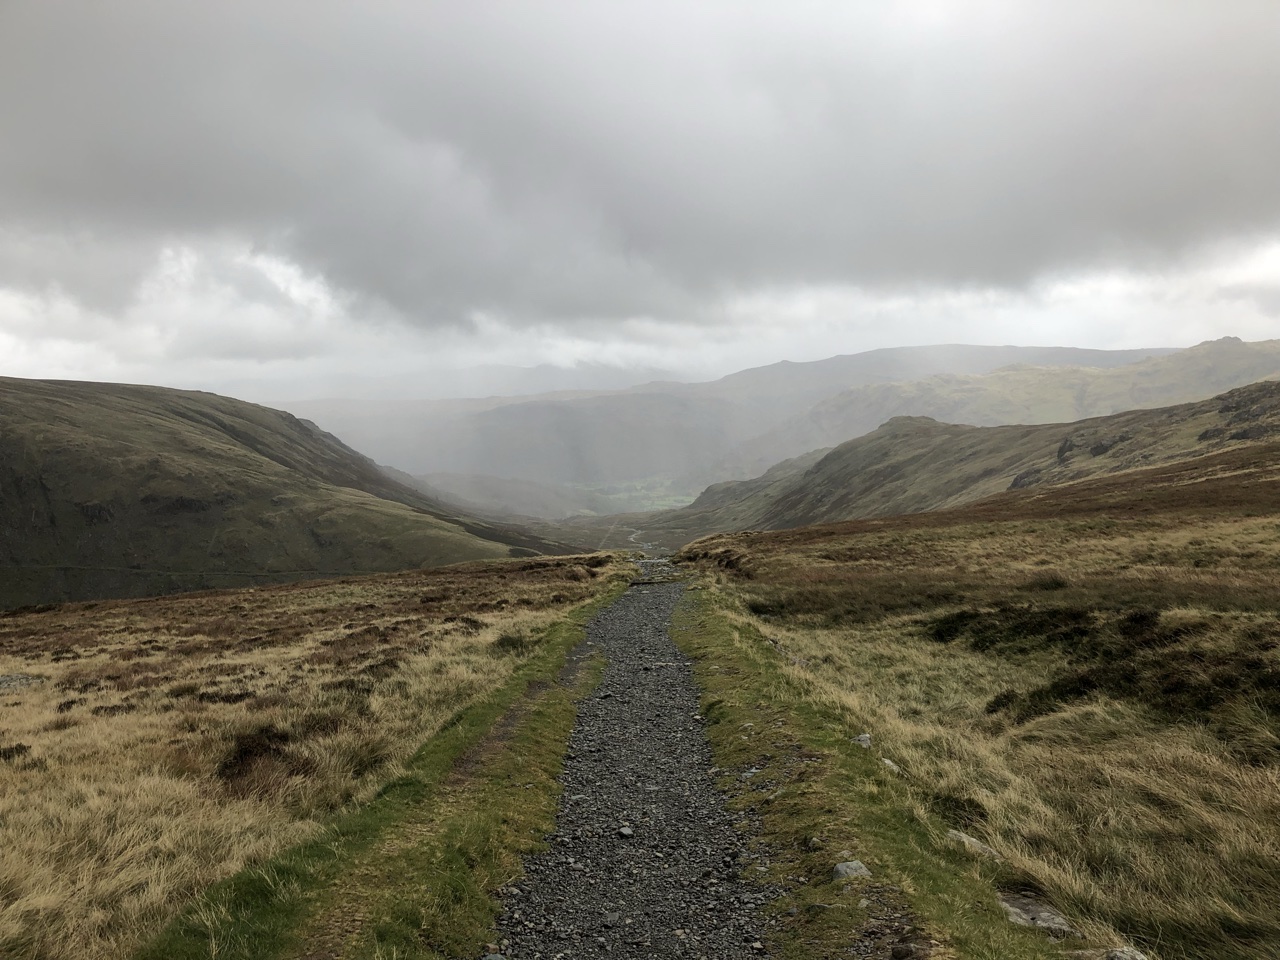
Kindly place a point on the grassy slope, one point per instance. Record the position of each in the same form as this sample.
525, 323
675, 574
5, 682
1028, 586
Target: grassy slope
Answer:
414, 874
788, 765
916, 464
1087, 677
169, 743
115, 490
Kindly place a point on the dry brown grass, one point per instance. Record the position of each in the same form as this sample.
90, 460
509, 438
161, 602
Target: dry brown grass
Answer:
171, 742
1089, 680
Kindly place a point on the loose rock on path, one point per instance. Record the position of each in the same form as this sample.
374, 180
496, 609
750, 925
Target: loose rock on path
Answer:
645, 859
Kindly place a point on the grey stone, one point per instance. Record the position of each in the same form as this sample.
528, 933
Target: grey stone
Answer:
863, 740
626, 832
891, 765
820, 907
1026, 912
18, 680
851, 868
973, 844
595, 893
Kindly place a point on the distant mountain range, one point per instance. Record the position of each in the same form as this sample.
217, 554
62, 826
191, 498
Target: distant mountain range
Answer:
648, 445
1020, 393
662, 443
109, 490
484, 380
916, 464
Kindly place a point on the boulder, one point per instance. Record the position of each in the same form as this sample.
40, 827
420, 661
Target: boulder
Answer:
1027, 912
850, 869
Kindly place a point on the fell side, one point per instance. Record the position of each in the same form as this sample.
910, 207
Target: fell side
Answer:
1085, 678
110, 490
914, 464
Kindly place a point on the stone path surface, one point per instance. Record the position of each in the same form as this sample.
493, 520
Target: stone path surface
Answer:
645, 859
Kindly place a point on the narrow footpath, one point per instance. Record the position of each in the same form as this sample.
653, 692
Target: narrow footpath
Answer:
645, 859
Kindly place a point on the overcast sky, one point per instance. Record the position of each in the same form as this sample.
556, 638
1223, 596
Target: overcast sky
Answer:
294, 199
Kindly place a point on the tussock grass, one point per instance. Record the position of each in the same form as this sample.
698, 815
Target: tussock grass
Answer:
174, 742
792, 770
1096, 694
412, 873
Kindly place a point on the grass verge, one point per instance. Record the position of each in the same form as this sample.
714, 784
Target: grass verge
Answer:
818, 796
411, 874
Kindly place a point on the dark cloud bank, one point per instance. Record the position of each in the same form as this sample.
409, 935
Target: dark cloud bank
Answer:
598, 161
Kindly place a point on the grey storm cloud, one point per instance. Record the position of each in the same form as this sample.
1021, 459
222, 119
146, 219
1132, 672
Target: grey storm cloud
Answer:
603, 160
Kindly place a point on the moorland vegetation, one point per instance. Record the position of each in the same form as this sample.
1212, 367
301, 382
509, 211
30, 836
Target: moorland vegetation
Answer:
149, 748
1085, 677
1063, 639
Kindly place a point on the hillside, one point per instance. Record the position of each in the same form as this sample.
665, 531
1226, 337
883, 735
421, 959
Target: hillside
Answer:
1025, 392
787, 385
914, 464
117, 490
1084, 678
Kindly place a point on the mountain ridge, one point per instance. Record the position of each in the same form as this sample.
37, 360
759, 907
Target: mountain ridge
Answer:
1014, 394
678, 434
918, 464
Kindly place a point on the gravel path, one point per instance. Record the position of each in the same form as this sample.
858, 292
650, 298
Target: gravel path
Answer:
645, 858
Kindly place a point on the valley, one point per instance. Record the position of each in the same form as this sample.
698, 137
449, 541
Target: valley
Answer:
658, 440
660, 445
1054, 642
617, 481
915, 464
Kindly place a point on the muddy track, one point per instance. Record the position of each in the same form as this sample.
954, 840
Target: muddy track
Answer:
645, 859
